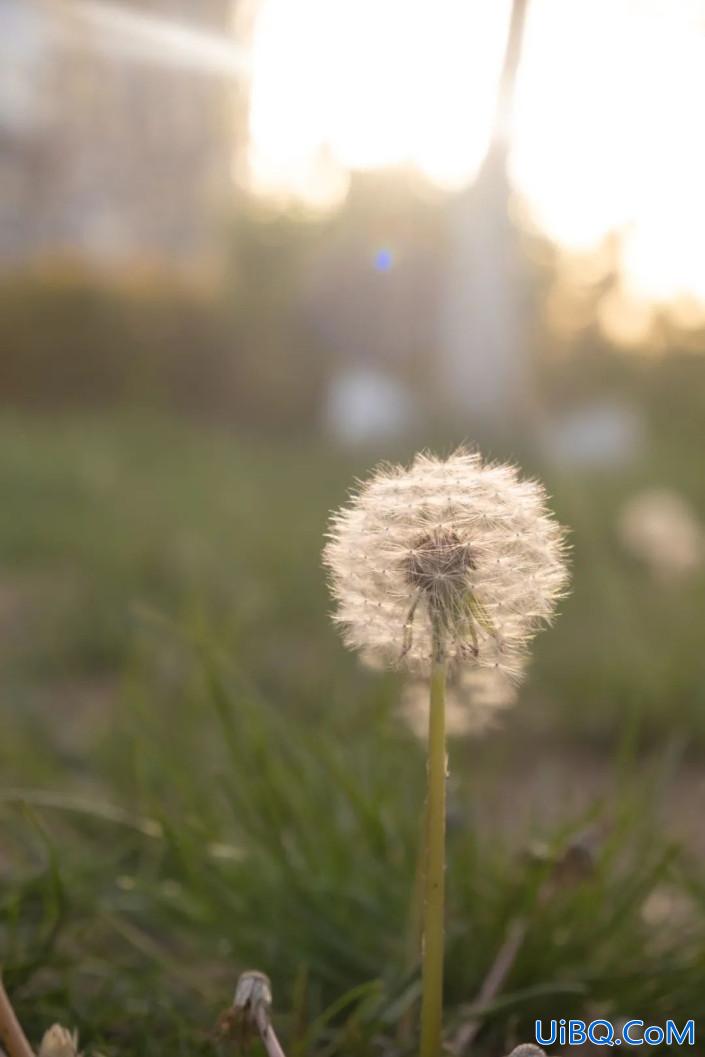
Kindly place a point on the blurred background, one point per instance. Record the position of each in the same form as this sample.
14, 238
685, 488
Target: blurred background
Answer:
247, 250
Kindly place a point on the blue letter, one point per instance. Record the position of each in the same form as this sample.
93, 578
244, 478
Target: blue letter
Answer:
654, 1035
628, 1037
541, 1041
674, 1037
601, 1040
576, 1033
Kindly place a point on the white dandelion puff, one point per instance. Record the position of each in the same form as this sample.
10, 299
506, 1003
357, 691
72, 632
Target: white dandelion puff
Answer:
451, 556
662, 530
59, 1042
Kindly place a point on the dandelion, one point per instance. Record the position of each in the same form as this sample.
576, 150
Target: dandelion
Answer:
449, 566
250, 1014
452, 550
661, 529
59, 1042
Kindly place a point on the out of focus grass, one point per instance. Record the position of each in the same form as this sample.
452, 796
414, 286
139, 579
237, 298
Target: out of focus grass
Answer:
198, 779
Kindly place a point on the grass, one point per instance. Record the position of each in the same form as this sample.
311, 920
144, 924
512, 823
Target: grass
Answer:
198, 779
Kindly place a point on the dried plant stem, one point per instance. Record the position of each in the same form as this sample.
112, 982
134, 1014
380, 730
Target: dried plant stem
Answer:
268, 1035
12, 1037
434, 880
494, 981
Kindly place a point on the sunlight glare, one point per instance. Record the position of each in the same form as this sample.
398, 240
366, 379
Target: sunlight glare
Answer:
118, 29
365, 84
607, 138
606, 143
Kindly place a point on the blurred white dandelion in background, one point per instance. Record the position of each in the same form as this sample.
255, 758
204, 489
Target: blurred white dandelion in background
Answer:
59, 1042
660, 528
475, 700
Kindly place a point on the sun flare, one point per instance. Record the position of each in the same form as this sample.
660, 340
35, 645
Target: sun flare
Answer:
604, 139
340, 85
606, 136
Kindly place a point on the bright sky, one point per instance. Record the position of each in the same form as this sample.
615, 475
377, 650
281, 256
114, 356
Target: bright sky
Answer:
362, 84
607, 134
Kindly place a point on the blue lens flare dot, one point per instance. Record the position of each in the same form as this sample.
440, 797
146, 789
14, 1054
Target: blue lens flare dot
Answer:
384, 260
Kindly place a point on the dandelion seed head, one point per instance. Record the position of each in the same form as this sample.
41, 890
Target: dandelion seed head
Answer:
59, 1042
438, 560
453, 544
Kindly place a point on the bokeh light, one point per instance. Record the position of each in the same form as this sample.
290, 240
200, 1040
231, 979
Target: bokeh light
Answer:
384, 260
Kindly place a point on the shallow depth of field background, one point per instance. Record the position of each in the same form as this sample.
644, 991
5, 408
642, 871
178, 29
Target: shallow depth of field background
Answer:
245, 254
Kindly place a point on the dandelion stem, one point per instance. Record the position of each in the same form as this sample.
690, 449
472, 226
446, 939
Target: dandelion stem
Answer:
434, 880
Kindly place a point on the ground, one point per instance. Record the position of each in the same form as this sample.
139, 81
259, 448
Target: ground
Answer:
197, 778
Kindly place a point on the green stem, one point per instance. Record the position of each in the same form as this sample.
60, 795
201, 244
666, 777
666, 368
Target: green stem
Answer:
434, 881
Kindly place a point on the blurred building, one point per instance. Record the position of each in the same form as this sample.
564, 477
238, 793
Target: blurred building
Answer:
116, 129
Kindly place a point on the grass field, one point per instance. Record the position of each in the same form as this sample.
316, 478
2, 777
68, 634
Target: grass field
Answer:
197, 778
